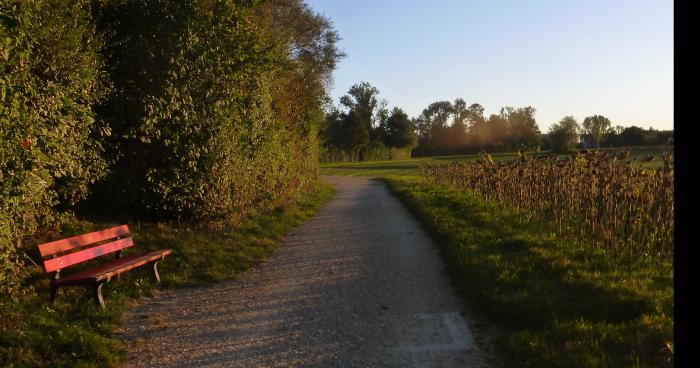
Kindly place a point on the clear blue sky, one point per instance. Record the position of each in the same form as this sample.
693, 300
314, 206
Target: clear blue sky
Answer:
564, 57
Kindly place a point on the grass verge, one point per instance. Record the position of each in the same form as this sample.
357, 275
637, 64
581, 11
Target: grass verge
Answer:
559, 302
74, 332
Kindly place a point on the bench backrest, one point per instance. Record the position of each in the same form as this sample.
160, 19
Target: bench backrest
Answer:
67, 252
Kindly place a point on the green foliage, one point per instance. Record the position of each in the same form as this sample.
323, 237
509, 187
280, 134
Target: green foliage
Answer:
366, 130
596, 127
362, 100
347, 132
563, 135
188, 110
74, 332
49, 79
522, 128
447, 128
375, 151
400, 130
634, 136
196, 133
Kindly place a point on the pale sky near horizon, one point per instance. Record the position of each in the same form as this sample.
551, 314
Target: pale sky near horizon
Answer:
580, 58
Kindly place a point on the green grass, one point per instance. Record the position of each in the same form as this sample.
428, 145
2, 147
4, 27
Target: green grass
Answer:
407, 168
558, 301
74, 332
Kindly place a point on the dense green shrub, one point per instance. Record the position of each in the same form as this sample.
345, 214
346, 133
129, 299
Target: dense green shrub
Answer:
196, 135
213, 109
49, 79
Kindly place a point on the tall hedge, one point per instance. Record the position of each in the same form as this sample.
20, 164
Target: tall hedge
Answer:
198, 128
49, 79
172, 109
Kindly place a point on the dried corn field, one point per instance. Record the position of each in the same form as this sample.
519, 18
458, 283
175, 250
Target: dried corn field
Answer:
599, 195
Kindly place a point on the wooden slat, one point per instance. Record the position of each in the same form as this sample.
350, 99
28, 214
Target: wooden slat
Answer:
67, 244
112, 268
86, 254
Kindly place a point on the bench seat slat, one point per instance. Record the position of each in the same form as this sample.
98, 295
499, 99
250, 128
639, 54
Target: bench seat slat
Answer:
67, 244
86, 254
111, 268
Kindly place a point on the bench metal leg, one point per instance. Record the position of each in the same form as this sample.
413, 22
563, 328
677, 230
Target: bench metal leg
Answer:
156, 276
52, 296
97, 289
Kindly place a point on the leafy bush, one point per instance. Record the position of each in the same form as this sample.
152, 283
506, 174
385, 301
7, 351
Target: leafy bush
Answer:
199, 132
214, 109
49, 79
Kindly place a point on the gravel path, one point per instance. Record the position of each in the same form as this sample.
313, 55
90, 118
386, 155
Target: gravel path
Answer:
358, 285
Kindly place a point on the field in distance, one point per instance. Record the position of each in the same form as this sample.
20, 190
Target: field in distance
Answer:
405, 168
560, 296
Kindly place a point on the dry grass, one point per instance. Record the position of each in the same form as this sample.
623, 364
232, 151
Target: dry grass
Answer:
598, 195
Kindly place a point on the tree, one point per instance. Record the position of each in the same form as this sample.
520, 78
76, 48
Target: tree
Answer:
433, 126
345, 130
633, 136
522, 126
353, 132
476, 127
563, 135
596, 127
400, 131
362, 98
458, 137
378, 132
332, 134
496, 129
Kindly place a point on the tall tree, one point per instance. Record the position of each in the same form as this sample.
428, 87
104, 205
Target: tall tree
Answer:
633, 136
458, 130
497, 131
564, 134
476, 112
332, 134
362, 98
476, 126
522, 126
400, 131
353, 132
433, 125
596, 127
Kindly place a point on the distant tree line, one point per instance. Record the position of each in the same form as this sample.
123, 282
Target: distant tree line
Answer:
362, 128
451, 128
597, 132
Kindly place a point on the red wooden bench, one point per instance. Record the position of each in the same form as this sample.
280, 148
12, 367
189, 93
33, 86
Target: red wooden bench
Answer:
64, 253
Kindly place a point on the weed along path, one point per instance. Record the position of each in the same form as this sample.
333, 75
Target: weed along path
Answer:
358, 285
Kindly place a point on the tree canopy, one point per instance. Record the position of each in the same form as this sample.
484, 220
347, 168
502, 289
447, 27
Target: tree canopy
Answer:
596, 127
564, 134
363, 128
445, 128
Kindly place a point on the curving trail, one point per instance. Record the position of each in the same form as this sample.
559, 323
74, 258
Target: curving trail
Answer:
358, 285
